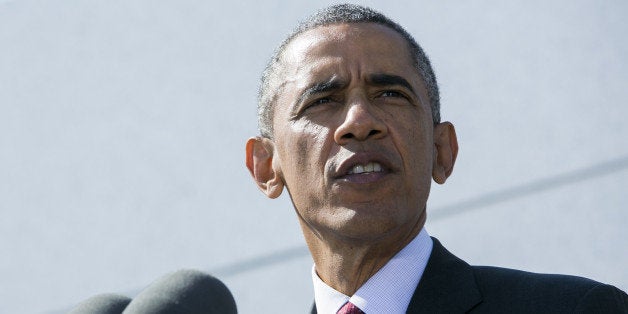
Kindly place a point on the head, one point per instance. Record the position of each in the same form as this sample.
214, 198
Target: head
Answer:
353, 134
339, 14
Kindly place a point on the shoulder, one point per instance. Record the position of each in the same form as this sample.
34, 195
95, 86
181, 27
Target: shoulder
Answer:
450, 282
509, 288
488, 276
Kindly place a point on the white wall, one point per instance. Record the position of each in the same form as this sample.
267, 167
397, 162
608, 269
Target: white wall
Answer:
122, 129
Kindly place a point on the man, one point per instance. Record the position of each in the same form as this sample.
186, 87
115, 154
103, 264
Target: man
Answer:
350, 126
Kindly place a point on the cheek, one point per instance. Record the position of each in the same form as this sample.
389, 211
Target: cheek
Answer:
413, 138
306, 148
302, 143
306, 152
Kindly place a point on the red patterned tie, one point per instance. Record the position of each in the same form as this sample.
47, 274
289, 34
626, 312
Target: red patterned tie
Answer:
349, 308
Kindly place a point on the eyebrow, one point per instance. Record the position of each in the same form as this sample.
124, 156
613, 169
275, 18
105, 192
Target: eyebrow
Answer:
382, 79
332, 84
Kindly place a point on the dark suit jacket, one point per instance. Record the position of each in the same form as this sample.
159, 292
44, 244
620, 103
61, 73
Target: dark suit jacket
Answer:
449, 285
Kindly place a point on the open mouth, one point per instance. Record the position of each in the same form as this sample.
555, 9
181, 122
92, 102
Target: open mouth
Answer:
366, 168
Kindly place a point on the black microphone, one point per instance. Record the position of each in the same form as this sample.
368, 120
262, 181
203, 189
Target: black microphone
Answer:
184, 292
106, 303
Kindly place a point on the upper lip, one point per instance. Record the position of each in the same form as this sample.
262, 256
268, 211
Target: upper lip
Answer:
362, 158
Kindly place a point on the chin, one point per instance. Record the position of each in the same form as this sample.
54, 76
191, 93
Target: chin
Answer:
365, 226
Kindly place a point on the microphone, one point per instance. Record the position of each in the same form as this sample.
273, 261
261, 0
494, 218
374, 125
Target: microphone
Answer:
106, 303
184, 291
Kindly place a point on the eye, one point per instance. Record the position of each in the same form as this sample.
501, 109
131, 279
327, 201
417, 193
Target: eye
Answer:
392, 97
317, 103
320, 101
391, 93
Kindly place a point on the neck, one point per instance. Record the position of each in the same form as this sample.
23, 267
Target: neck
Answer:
346, 264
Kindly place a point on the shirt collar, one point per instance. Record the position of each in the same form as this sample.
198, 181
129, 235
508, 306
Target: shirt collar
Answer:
389, 290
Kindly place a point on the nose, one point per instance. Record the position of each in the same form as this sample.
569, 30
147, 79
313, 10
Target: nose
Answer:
360, 123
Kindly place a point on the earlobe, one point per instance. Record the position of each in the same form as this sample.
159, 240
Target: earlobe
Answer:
445, 151
259, 161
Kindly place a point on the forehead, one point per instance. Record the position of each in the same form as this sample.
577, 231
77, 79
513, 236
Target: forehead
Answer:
371, 34
345, 50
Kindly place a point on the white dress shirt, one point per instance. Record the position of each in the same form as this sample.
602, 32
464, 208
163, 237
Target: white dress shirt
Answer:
389, 290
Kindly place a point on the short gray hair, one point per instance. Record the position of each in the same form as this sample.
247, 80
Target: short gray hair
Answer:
339, 14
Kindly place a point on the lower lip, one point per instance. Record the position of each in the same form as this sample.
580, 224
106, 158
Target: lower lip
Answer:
363, 178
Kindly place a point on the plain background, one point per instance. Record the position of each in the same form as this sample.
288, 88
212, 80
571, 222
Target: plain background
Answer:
123, 123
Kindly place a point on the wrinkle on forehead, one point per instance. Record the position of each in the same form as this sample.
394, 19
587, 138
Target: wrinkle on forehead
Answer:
377, 45
343, 34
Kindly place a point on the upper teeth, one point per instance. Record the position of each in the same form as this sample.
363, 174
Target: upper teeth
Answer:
370, 167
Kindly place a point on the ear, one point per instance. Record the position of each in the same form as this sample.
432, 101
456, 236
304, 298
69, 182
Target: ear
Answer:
259, 160
445, 151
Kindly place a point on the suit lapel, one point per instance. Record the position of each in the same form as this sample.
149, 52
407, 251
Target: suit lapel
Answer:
447, 285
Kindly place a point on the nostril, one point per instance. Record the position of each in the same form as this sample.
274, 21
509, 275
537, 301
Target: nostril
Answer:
347, 135
374, 132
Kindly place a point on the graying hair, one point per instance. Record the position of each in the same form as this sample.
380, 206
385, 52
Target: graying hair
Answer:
339, 14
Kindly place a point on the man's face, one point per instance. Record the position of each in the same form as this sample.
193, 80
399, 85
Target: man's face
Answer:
353, 132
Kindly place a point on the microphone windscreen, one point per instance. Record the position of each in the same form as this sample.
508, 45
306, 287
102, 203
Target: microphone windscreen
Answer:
106, 303
184, 291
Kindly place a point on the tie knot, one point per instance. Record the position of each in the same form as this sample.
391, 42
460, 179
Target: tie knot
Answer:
349, 308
